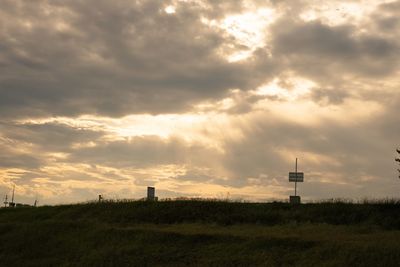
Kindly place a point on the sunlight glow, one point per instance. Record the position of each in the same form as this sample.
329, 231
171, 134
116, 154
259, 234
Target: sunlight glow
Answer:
288, 89
170, 9
206, 128
248, 29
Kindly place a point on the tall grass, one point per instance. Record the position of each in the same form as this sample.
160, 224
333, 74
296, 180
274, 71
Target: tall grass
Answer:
385, 214
202, 233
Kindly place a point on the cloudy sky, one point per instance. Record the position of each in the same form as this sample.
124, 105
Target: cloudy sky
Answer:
198, 98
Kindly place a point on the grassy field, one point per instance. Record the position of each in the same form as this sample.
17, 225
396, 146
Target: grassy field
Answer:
201, 233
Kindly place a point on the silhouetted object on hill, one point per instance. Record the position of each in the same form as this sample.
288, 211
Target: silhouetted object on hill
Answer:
100, 198
151, 194
398, 160
5, 201
295, 177
12, 204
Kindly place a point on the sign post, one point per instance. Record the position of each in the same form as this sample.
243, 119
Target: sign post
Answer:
295, 177
295, 183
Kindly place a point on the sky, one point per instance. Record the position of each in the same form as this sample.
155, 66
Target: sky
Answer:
199, 98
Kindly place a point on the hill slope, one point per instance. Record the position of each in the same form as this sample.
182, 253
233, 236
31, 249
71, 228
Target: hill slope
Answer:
201, 233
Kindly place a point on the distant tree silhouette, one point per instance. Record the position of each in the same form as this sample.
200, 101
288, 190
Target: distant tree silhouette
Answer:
398, 160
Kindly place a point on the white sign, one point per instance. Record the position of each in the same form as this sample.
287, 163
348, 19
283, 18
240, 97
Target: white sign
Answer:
296, 177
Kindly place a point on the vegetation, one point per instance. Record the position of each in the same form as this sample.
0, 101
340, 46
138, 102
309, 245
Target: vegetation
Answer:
202, 233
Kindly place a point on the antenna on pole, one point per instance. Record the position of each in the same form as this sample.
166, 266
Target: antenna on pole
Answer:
5, 201
12, 204
295, 183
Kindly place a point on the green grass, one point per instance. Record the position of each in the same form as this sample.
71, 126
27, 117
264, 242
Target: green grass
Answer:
201, 233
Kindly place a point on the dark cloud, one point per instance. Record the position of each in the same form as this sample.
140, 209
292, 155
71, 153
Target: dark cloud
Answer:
388, 24
329, 53
11, 159
94, 57
391, 7
49, 137
385, 19
329, 96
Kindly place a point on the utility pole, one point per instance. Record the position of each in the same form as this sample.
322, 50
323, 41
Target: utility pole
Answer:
5, 201
12, 204
295, 183
295, 177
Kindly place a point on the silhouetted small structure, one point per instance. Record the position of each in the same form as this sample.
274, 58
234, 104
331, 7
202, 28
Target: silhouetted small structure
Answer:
12, 204
294, 199
151, 194
5, 201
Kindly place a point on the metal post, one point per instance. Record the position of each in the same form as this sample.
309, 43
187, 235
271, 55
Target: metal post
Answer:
12, 199
295, 183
